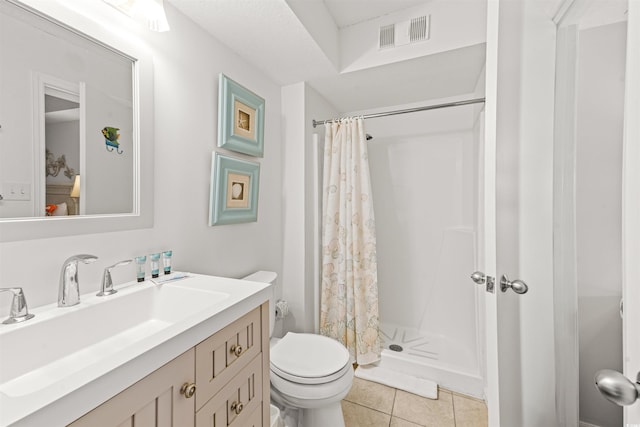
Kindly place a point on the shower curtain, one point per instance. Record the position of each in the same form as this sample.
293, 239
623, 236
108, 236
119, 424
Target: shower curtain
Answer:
349, 302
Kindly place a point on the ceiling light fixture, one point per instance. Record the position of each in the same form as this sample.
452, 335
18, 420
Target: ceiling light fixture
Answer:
149, 11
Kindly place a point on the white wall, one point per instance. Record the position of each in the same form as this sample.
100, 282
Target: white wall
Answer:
187, 63
300, 105
293, 190
107, 175
602, 52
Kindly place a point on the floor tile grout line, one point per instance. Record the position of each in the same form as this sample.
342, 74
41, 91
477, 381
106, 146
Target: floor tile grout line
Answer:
393, 405
453, 406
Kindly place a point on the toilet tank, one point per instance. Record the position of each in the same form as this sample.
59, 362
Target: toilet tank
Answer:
267, 277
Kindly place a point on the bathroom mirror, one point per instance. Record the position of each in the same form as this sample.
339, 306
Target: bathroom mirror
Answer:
75, 123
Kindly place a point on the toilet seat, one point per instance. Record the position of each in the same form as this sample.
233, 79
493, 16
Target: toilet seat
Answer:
310, 380
309, 359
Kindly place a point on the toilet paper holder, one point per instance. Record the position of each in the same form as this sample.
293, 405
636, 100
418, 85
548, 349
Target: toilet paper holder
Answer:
282, 309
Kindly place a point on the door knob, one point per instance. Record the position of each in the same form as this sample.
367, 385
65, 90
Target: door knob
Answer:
617, 388
480, 278
517, 286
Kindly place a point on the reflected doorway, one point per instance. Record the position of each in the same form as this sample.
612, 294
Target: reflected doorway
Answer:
62, 153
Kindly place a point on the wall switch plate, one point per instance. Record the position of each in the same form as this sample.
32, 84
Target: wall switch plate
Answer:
16, 191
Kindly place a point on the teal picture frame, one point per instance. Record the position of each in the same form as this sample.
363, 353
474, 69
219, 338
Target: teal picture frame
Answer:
234, 190
240, 118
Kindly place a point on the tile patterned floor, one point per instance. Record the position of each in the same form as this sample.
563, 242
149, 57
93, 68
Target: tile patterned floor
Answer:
370, 404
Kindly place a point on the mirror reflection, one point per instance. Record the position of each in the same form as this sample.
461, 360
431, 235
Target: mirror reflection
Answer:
68, 142
62, 154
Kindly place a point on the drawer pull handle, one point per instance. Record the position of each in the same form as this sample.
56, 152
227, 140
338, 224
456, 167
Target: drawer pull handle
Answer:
237, 407
236, 349
188, 389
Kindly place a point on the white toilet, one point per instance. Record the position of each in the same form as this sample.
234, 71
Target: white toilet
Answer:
309, 372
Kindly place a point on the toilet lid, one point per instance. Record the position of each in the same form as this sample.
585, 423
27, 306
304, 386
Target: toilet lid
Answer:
308, 356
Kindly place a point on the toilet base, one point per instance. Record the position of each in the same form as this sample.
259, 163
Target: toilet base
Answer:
329, 415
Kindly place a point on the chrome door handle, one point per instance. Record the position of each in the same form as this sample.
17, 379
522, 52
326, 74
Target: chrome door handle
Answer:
617, 388
480, 278
517, 286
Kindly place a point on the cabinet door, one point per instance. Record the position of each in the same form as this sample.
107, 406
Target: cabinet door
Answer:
153, 401
239, 403
220, 357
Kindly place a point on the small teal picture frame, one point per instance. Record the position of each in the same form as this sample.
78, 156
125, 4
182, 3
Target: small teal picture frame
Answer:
234, 190
240, 118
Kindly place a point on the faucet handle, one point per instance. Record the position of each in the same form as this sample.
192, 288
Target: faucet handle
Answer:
107, 283
19, 310
118, 264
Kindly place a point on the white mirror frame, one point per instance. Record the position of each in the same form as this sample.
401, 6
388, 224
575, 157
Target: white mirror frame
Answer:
74, 16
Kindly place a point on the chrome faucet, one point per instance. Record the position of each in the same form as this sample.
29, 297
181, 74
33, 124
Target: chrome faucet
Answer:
19, 311
107, 283
69, 291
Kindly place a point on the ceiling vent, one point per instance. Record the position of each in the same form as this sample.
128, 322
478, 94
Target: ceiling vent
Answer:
419, 29
387, 36
402, 33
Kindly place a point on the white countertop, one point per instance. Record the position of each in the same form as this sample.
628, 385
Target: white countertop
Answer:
60, 392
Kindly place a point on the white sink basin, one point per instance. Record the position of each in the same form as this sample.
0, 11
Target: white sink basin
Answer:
66, 361
60, 341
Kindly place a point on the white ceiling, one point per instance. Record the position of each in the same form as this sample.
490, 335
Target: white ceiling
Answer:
268, 34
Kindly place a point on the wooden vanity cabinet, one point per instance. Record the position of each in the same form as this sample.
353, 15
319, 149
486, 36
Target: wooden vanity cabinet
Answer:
155, 400
230, 370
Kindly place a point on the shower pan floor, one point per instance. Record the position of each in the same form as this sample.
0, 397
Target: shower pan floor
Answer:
432, 357
410, 342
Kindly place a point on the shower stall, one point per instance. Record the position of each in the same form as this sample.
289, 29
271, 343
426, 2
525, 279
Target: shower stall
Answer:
424, 175
424, 170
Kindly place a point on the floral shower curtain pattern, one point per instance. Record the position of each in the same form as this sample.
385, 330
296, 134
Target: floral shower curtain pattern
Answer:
349, 302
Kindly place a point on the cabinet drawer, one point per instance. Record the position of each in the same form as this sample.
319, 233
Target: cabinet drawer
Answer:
220, 357
155, 400
238, 402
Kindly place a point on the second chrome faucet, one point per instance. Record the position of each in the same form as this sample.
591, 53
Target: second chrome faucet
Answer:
107, 283
69, 290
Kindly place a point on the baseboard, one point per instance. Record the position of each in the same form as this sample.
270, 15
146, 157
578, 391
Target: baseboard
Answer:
583, 424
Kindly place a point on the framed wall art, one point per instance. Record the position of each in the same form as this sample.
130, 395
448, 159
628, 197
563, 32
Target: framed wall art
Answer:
234, 190
240, 118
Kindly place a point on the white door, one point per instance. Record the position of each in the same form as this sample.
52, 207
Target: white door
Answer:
518, 214
487, 214
631, 210
518, 239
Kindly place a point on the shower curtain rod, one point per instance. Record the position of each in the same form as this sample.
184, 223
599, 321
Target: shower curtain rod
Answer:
410, 110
